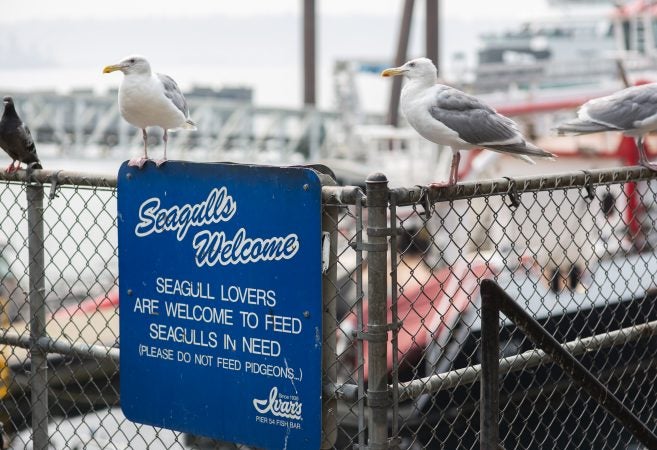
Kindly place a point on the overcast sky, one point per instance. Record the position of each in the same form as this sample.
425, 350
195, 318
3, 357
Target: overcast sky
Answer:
62, 44
72, 9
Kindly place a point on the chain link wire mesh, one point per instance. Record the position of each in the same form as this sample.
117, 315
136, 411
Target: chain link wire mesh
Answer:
579, 257
80, 278
580, 261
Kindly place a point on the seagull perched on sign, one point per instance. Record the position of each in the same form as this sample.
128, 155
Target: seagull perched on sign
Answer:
150, 99
16, 139
632, 110
447, 116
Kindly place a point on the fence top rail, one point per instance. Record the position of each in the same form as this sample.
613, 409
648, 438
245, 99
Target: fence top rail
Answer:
61, 178
349, 195
567, 180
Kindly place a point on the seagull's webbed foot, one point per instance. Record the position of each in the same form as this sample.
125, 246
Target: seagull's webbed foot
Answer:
11, 168
441, 184
643, 157
138, 162
159, 162
648, 164
453, 173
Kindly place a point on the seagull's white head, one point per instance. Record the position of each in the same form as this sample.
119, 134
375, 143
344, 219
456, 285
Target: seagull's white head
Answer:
134, 64
419, 68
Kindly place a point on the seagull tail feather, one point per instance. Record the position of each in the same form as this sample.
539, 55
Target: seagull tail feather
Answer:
523, 151
524, 158
579, 126
189, 125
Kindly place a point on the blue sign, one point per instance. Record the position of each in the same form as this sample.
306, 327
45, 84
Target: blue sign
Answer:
220, 301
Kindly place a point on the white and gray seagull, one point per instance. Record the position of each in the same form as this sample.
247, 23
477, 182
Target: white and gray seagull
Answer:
449, 117
149, 99
632, 111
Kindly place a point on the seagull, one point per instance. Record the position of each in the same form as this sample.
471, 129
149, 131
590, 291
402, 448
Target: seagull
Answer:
150, 99
16, 139
449, 117
632, 110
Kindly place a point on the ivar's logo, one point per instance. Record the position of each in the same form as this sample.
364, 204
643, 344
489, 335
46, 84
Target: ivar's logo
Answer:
279, 405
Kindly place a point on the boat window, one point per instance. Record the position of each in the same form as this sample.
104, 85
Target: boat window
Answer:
640, 37
626, 34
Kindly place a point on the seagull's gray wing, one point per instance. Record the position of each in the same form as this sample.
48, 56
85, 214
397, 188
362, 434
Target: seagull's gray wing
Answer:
628, 109
173, 93
474, 121
479, 124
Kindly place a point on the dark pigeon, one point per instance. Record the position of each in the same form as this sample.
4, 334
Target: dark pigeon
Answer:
16, 139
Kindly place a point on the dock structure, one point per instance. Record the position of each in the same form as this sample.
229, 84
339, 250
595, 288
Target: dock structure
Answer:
227, 127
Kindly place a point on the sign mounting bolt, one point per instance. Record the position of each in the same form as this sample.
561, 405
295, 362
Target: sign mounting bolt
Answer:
129, 291
306, 187
306, 314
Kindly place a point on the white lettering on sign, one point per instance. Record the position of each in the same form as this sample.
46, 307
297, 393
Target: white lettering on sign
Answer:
199, 313
147, 306
283, 324
217, 207
257, 346
269, 370
277, 406
248, 295
212, 247
182, 335
185, 288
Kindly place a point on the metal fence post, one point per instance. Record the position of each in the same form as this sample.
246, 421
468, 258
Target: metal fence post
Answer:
38, 379
378, 399
329, 322
489, 415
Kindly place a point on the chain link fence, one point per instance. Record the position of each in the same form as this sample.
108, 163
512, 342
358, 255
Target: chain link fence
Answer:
402, 368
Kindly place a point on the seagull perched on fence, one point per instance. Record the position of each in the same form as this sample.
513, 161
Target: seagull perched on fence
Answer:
632, 110
447, 116
150, 99
16, 139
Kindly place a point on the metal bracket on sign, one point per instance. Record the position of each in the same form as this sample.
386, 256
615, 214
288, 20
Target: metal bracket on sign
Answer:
380, 334
326, 250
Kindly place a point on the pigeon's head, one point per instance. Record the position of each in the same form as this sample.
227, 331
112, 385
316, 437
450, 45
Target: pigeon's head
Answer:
131, 64
420, 68
8, 100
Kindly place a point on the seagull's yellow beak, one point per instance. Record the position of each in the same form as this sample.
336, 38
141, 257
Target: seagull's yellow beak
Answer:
112, 68
392, 72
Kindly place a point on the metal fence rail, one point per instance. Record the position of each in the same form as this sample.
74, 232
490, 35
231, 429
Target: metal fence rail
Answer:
402, 324
494, 301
